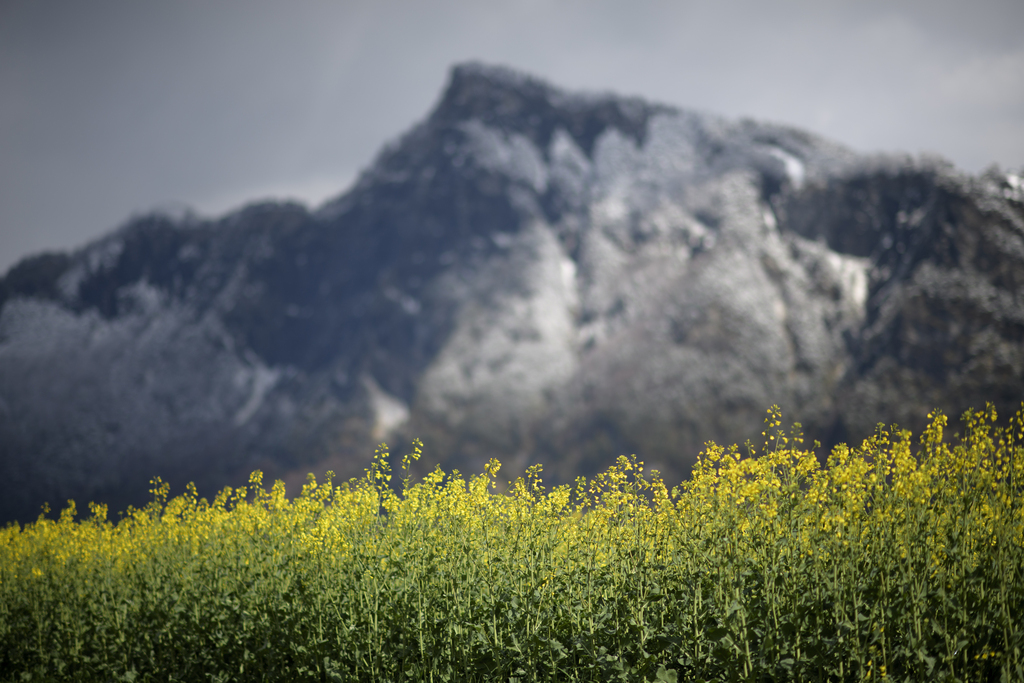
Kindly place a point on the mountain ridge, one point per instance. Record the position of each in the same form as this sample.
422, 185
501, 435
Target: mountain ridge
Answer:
529, 274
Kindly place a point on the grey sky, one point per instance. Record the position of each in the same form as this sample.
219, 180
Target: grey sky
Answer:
114, 107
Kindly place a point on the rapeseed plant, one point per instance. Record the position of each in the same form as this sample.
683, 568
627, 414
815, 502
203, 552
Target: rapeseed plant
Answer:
893, 560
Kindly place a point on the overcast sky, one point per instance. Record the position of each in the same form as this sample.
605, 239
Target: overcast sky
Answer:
110, 108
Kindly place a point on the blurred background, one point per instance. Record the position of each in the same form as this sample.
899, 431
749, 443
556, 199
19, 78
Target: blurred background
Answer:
111, 108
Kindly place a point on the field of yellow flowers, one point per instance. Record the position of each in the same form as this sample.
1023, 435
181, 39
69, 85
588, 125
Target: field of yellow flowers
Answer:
899, 559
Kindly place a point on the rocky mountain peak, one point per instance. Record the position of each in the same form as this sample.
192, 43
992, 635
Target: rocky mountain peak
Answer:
529, 274
514, 102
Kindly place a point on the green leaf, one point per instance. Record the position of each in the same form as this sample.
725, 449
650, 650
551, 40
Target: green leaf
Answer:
666, 675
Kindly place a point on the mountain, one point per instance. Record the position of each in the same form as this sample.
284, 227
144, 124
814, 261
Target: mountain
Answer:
528, 274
